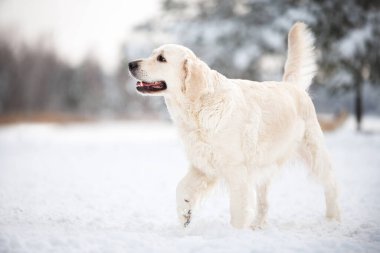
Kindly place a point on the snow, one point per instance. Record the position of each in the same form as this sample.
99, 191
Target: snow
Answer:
355, 42
110, 187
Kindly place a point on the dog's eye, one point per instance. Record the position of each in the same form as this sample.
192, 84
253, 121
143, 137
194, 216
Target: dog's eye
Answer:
160, 58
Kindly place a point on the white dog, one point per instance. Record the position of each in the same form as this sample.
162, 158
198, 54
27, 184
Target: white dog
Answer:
238, 130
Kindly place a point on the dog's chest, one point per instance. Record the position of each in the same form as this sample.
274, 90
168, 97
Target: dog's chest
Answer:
206, 138
211, 151
202, 150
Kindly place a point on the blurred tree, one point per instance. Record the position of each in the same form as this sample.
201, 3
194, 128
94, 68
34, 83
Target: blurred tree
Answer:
247, 38
89, 86
349, 35
33, 79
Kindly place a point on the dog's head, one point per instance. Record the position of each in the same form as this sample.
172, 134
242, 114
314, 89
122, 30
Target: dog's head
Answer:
172, 70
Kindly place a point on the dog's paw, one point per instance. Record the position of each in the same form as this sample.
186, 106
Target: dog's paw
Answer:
184, 212
187, 217
333, 213
259, 224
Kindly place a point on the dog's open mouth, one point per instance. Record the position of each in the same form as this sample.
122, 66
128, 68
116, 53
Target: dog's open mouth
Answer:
143, 86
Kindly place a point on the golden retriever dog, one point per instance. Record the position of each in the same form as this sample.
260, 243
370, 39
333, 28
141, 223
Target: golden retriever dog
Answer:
240, 131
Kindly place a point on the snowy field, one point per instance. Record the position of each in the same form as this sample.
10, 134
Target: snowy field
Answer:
110, 187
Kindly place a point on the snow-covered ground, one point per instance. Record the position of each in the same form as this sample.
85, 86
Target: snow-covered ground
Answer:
110, 187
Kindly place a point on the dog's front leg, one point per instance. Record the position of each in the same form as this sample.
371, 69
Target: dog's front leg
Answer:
242, 200
189, 191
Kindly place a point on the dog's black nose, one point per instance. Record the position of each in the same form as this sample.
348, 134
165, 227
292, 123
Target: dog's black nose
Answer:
133, 65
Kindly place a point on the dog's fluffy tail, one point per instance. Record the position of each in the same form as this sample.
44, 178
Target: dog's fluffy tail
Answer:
300, 66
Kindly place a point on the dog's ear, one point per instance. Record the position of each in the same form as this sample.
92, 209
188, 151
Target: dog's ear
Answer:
197, 81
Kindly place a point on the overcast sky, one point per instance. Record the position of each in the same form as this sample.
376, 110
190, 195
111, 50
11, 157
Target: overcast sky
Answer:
78, 27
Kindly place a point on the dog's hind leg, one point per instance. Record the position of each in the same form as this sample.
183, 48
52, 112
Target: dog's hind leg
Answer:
242, 198
314, 152
190, 191
262, 204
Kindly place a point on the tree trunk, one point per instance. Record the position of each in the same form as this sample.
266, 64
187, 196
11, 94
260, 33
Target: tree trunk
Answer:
358, 101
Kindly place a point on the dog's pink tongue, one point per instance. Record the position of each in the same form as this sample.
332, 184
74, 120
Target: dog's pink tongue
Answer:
140, 84
154, 84
147, 84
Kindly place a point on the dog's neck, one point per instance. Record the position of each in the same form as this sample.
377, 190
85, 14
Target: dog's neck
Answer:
189, 113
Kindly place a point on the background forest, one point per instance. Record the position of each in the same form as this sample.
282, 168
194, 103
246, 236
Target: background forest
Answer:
239, 38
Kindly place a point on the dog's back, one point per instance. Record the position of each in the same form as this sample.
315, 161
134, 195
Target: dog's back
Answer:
283, 108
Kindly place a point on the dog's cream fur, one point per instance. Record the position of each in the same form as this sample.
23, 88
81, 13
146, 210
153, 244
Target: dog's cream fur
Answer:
241, 131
